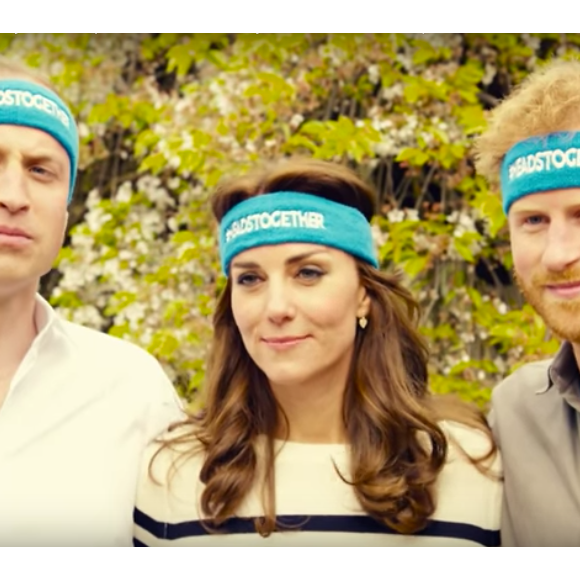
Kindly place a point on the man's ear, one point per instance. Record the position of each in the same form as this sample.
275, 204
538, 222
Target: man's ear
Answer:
65, 226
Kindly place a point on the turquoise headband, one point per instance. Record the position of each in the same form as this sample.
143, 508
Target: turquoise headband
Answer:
286, 217
540, 164
32, 105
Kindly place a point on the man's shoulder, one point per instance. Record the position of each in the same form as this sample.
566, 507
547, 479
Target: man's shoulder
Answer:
97, 344
524, 382
111, 360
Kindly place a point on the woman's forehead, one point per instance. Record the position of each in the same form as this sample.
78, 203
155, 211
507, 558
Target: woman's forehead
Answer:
292, 251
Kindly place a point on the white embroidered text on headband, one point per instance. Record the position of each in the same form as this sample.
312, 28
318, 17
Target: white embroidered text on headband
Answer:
30, 104
540, 164
286, 217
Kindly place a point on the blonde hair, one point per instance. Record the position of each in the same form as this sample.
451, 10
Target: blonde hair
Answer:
13, 69
548, 100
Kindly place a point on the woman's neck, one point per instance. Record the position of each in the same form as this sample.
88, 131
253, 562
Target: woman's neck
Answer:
313, 413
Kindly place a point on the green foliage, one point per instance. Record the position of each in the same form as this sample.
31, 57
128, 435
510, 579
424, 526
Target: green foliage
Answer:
165, 116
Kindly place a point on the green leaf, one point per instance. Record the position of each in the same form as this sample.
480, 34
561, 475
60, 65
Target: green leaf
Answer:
463, 250
180, 57
145, 141
472, 118
475, 297
119, 301
163, 344
469, 74
413, 156
490, 207
414, 90
469, 96
184, 237
154, 163
424, 54
415, 266
5, 41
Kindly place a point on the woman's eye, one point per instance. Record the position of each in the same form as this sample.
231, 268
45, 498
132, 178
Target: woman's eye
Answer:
247, 279
310, 273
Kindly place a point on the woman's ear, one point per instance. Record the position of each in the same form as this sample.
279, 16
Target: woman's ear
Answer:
364, 303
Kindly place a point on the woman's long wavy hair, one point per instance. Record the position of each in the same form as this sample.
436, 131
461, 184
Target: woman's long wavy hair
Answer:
391, 419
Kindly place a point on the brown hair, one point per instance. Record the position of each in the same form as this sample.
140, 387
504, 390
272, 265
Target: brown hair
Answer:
548, 100
390, 417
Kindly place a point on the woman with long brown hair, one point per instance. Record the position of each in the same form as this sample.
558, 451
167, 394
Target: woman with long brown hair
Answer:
318, 426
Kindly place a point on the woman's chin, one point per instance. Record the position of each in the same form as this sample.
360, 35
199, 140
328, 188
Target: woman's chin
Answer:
282, 376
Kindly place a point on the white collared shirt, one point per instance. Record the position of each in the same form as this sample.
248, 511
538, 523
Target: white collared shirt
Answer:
80, 409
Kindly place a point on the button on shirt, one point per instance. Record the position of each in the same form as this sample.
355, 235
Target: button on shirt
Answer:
79, 411
535, 419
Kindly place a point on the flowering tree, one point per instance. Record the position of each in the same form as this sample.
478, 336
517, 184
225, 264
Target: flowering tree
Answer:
164, 116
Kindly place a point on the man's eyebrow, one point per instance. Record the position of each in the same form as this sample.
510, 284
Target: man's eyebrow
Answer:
42, 158
526, 209
39, 157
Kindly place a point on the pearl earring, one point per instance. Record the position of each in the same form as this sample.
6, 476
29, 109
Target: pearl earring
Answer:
362, 322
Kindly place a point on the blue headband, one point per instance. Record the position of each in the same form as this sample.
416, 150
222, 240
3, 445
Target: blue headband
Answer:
32, 105
291, 217
540, 164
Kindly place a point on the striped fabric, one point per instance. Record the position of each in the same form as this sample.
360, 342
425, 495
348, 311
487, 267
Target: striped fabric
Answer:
315, 507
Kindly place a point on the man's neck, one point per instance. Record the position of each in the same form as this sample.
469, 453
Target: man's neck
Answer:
576, 350
17, 331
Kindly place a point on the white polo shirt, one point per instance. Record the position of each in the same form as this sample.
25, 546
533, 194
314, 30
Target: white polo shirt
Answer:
78, 414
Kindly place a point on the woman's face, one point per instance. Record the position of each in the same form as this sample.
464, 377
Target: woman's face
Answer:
296, 307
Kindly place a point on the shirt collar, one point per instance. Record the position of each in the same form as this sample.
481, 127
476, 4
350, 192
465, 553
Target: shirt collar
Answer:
45, 319
563, 373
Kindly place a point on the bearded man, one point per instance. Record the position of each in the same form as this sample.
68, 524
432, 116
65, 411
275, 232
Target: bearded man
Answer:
532, 149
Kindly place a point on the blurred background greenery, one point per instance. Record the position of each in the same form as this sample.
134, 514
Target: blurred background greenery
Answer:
164, 116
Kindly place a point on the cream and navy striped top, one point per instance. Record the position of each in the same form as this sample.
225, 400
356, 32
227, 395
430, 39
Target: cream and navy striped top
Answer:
321, 508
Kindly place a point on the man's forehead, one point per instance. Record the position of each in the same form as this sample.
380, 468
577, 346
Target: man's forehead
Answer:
30, 142
557, 199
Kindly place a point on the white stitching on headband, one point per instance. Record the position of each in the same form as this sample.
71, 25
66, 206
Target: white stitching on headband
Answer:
540, 163
546, 160
29, 104
21, 98
275, 219
287, 217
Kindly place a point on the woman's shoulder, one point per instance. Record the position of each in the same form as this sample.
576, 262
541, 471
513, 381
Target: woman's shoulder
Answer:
473, 462
472, 440
175, 454
468, 444
469, 487
169, 486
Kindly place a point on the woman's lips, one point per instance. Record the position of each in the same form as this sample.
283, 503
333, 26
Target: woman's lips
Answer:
284, 342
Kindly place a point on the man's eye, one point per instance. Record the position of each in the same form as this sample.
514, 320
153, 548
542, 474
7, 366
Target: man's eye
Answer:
40, 170
534, 220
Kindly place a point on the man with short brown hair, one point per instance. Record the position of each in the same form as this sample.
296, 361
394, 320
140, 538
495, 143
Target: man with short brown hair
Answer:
77, 406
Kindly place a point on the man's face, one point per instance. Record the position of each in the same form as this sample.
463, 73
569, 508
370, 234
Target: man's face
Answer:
545, 240
34, 186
